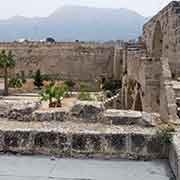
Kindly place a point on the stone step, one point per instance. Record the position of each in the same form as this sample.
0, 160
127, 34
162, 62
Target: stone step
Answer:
79, 140
128, 117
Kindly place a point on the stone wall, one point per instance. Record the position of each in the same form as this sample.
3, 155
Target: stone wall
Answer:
162, 35
141, 82
168, 106
79, 61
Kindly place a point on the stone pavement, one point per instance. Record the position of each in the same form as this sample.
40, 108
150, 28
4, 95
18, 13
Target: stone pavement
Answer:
45, 168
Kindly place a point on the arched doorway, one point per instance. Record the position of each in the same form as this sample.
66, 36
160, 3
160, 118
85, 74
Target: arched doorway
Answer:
157, 42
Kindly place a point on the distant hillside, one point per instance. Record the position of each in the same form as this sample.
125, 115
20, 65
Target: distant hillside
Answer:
70, 23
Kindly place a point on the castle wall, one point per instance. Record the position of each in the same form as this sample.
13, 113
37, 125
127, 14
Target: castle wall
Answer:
169, 19
67, 60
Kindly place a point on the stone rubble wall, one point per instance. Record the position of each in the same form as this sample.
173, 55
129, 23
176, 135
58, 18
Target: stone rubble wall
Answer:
81, 111
21, 110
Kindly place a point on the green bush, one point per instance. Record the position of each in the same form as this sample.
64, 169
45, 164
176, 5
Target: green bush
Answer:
70, 84
53, 92
165, 135
46, 77
38, 79
15, 83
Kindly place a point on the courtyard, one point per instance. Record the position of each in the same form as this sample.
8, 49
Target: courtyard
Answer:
25, 168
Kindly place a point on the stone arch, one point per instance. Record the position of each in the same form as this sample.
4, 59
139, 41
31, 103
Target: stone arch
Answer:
157, 41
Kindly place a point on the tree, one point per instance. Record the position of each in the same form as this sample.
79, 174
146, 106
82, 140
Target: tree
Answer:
7, 61
38, 79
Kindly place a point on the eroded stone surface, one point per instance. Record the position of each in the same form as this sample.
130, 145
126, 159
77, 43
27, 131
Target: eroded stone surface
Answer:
54, 114
20, 110
72, 139
87, 111
125, 117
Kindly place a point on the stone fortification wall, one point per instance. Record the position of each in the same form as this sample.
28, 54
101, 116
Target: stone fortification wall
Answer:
79, 61
162, 35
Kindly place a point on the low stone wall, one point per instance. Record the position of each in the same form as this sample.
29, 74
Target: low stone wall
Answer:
81, 111
20, 110
121, 145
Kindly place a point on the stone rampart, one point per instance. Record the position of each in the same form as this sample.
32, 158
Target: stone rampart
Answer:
78, 61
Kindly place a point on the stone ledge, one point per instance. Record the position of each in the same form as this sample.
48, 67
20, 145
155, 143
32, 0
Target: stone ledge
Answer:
98, 143
87, 111
55, 114
128, 117
20, 110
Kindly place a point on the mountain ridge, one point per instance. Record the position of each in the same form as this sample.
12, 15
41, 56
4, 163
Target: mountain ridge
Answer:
69, 23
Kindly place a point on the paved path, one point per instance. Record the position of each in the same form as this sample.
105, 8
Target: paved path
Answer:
43, 168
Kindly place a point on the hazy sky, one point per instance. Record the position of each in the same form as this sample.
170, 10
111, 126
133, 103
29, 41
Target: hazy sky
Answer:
31, 8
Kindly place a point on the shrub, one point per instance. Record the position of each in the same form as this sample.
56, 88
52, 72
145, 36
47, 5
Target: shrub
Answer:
38, 79
70, 84
54, 92
165, 135
46, 77
15, 83
60, 93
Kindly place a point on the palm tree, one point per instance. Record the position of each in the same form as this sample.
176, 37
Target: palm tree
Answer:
7, 61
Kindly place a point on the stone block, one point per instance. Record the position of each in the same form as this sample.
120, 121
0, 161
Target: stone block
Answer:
56, 114
79, 142
138, 144
121, 117
46, 140
87, 111
118, 142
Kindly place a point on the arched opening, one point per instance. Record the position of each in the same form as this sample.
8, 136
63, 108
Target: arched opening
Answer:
157, 44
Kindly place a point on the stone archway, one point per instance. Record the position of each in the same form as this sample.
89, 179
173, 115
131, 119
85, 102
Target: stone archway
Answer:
157, 41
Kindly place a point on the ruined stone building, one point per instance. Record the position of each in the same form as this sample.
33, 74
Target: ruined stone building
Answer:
149, 70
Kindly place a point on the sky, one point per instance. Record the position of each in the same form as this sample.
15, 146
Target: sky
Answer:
43, 8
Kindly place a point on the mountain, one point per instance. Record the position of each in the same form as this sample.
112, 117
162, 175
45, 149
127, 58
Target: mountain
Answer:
70, 23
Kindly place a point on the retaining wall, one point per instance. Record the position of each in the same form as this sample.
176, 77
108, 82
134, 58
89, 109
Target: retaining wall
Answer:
121, 145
